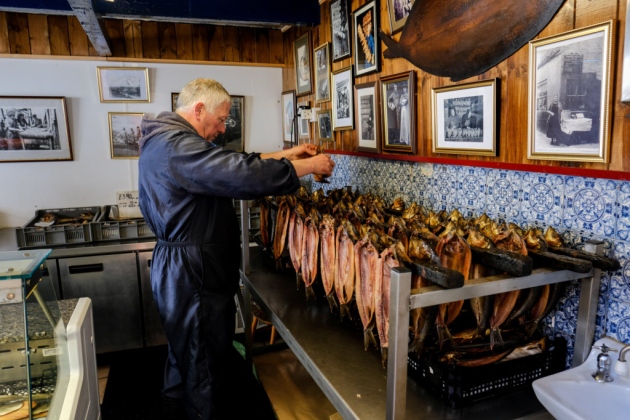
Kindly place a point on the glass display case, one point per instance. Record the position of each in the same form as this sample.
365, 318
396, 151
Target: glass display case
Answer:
33, 341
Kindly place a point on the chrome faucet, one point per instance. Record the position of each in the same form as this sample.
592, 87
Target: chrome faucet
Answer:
622, 353
603, 364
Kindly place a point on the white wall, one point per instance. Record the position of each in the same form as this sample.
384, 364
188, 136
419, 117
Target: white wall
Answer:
93, 177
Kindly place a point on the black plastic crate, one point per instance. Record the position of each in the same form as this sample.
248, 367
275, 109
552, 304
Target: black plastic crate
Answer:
109, 227
69, 228
460, 386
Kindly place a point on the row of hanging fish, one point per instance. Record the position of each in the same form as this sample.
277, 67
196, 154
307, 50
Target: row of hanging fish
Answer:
351, 242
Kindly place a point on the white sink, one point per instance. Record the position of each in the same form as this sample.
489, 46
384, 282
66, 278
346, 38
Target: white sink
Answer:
574, 394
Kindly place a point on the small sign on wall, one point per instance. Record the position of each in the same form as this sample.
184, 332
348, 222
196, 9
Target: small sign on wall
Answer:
128, 205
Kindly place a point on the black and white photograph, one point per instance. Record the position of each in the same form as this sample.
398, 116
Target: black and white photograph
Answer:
464, 118
398, 111
302, 55
342, 100
324, 125
366, 40
233, 138
398, 12
367, 117
289, 129
124, 134
569, 95
123, 84
340, 27
322, 73
34, 129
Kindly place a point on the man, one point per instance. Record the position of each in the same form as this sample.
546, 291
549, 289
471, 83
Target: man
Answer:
186, 187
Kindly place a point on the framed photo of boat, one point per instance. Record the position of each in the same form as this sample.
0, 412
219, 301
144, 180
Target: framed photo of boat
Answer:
464, 118
34, 128
324, 125
366, 40
302, 55
123, 84
342, 99
340, 29
321, 58
398, 111
289, 126
398, 12
569, 95
124, 134
366, 99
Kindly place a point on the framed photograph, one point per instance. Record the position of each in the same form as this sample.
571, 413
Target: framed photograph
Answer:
366, 42
124, 134
303, 128
569, 95
34, 128
324, 125
342, 100
464, 118
289, 128
233, 138
123, 84
174, 96
340, 29
302, 54
398, 104
366, 98
321, 58
398, 13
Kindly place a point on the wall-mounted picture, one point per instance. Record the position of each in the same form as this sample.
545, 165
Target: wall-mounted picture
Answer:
174, 96
123, 84
324, 125
233, 138
366, 99
366, 42
303, 129
340, 27
124, 134
289, 129
398, 12
302, 55
34, 128
398, 104
321, 58
569, 95
342, 100
464, 118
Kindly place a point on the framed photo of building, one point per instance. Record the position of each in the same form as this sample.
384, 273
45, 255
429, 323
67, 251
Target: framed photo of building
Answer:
124, 134
569, 95
233, 138
321, 58
366, 98
464, 118
342, 99
340, 29
302, 54
34, 128
398, 110
366, 40
324, 125
123, 84
289, 128
398, 12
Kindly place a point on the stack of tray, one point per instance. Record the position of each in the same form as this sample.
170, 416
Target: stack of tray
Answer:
72, 226
110, 227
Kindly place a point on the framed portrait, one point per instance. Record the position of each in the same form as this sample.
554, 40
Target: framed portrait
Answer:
340, 29
464, 118
34, 128
321, 58
289, 129
174, 96
324, 125
366, 98
366, 42
342, 99
398, 12
123, 84
569, 95
302, 54
398, 105
233, 138
124, 134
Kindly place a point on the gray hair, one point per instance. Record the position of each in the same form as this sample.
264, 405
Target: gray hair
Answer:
208, 91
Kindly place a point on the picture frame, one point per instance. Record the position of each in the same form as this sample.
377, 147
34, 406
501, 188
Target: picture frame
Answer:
124, 134
289, 126
342, 99
123, 84
303, 73
398, 112
234, 136
398, 11
366, 39
304, 132
367, 117
464, 118
569, 95
321, 59
174, 97
340, 29
34, 129
324, 125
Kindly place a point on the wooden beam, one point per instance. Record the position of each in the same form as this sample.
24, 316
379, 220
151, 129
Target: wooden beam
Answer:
92, 26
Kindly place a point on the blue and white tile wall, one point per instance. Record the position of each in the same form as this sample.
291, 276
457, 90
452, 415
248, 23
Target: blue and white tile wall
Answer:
579, 208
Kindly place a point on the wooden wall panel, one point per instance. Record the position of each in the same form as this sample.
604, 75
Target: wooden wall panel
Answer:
116, 34
276, 47
133, 38
183, 33
168, 40
77, 38
216, 43
59, 36
38, 32
247, 45
230, 44
4, 34
262, 46
150, 40
19, 41
200, 42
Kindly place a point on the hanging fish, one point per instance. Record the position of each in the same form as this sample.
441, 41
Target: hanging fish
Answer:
310, 254
327, 259
389, 260
296, 237
368, 271
344, 277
